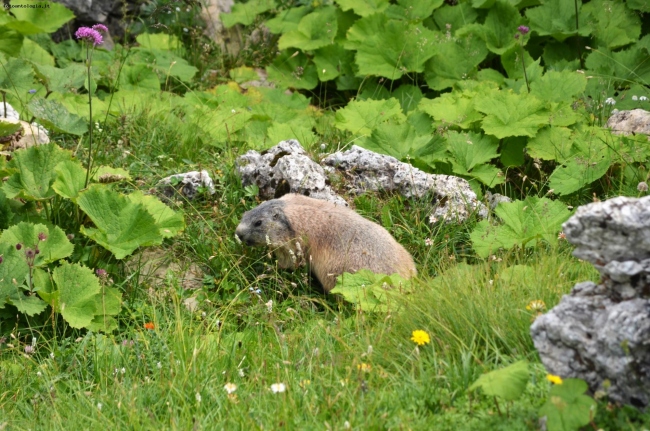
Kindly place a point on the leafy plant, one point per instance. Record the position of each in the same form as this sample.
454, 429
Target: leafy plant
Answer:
372, 292
567, 407
507, 383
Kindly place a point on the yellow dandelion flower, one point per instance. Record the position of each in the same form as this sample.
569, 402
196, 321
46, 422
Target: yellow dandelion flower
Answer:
536, 305
557, 380
420, 337
364, 367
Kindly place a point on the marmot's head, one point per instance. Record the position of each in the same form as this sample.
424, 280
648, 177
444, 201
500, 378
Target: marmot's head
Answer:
265, 225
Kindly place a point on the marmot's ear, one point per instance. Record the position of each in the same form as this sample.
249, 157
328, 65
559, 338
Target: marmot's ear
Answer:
276, 215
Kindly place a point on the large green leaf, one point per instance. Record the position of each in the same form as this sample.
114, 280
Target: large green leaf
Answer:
121, 224
510, 114
13, 272
455, 60
33, 52
70, 179
507, 383
77, 287
287, 19
161, 61
452, 108
332, 61
413, 10
64, 80
559, 86
361, 117
499, 29
452, 18
54, 115
35, 172
40, 20
11, 42
627, 65
293, 69
108, 303
169, 222
551, 143
390, 48
16, 77
590, 158
557, 18
397, 140
221, 123
53, 247
524, 224
245, 13
470, 154
372, 292
613, 24
295, 130
314, 31
363, 7
138, 77
567, 407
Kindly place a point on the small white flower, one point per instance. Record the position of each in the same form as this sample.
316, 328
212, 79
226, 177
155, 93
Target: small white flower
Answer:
347, 425
99, 406
491, 282
635, 98
198, 397
123, 370
433, 219
185, 30
610, 101
178, 9
34, 341
158, 365
428, 242
52, 355
240, 372
230, 387
39, 374
322, 147
269, 306
277, 388
232, 111
178, 362
643, 98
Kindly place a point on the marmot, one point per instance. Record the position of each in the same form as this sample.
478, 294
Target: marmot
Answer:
332, 238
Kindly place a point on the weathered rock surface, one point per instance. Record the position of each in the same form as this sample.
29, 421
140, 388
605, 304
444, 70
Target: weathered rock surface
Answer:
186, 184
364, 170
601, 332
30, 134
287, 168
630, 122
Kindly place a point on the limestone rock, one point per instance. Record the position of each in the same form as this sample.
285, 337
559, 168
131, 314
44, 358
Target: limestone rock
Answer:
601, 332
630, 122
285, 168
186, 184
363, 170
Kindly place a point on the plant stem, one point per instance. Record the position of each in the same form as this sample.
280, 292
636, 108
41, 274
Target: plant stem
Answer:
90, 111
4, 103
523, 64
582, 62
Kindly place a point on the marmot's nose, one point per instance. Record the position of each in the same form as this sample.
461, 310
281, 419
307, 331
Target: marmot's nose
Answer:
239, 234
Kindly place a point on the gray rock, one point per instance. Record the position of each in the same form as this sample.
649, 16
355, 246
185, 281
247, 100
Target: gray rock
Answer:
630, 122
617, 229
601, 332
364, 170
186, 184
285, 168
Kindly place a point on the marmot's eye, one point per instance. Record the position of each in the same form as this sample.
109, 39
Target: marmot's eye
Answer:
258, 223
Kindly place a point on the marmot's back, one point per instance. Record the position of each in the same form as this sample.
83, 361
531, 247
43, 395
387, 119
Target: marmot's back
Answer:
332, 238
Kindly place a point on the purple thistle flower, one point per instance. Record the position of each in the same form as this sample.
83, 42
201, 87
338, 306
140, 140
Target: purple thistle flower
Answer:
523, 29
42, 236
90, 35
100, 272
100, 28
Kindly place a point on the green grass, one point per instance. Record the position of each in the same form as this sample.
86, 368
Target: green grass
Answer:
340, 366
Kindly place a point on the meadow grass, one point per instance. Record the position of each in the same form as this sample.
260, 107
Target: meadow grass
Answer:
341, 368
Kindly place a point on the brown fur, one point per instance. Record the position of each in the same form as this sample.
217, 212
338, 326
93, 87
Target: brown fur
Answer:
332, 238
